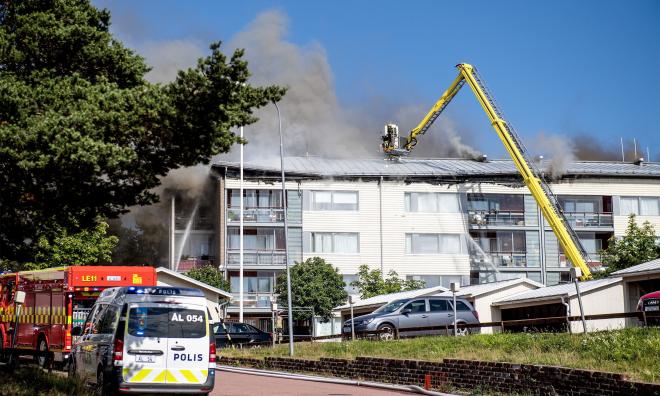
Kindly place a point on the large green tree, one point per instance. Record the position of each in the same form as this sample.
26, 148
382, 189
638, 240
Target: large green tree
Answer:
372, 282
314, 284
638, 245
83, 135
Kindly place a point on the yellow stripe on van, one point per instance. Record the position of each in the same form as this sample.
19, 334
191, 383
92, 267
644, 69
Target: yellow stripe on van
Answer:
160, 377
189, 376
142, 374
170, 377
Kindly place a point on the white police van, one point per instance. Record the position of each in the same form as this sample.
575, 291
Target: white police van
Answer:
146, 340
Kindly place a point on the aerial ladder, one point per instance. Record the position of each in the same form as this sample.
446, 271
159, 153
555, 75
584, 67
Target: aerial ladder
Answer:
532, 177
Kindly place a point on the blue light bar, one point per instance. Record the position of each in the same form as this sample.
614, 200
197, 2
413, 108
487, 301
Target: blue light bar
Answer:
165, 291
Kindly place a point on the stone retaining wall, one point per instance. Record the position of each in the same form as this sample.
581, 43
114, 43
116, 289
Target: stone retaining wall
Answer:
461, 374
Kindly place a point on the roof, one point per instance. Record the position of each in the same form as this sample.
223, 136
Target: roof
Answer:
413, 167
195, 282
647, 267
557, 291
386, 298
485, 288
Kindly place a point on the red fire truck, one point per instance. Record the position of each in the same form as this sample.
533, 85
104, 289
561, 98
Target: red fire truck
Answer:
56, 300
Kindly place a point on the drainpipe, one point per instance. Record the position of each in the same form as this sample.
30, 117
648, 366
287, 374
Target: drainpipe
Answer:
380, 207
172, 234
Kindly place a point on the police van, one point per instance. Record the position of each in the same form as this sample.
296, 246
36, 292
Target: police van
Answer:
146, 340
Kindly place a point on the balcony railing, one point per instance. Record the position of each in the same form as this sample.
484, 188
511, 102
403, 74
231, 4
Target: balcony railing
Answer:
257, 215
502, 259
252, 300
589, 219
186, 264
257, 257
198, 222
484, 217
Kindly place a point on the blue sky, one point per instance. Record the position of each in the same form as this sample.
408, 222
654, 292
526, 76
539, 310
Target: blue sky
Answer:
580, 69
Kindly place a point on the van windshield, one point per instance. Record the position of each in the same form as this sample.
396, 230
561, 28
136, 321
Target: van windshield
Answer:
166, 322
391, 307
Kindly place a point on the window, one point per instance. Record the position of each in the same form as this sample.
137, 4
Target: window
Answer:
433, 243
166, 322
461, 306
645, 206
334, 200
417, 306
107, 320
256, 238
648, 206
335, 242
251, 284
347, 280
431, 202
255, 198
439, 305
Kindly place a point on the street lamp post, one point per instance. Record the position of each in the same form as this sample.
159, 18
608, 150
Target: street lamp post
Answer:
286, 235
240, 241
350, 302
455, 287
576, 273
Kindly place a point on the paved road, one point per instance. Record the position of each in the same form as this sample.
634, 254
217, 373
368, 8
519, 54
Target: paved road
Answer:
234, 384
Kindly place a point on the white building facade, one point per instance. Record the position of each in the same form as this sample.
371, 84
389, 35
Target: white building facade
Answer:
440, 221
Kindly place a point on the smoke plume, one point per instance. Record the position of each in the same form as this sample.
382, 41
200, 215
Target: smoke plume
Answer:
558, 149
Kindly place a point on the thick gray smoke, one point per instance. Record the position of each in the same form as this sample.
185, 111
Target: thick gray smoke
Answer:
314, 121
559, 150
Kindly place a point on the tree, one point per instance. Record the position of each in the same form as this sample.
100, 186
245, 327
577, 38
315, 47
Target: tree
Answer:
314, 284
372, 283
210, 275
638, 245
83, 135
87, 247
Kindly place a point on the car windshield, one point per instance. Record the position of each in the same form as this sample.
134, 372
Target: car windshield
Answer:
166, 322
391, 307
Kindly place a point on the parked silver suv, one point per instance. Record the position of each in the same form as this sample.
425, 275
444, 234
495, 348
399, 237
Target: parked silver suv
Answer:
401, 317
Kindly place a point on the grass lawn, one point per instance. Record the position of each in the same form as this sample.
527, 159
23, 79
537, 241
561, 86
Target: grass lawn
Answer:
634, 351
32, 381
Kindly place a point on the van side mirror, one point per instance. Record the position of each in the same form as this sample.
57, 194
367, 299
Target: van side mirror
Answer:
406, 311
76, 331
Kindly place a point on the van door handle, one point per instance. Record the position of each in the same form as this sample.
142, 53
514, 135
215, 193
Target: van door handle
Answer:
450, 315
425, 316
178, 348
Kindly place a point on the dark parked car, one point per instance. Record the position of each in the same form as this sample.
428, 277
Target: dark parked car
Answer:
400, 318
242, 335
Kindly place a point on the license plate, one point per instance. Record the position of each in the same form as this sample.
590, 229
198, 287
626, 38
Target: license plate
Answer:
347, 329
145, 359
652, 308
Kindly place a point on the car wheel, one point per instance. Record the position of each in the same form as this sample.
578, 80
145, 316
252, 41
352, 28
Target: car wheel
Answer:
387, 332
42, 349
462, 331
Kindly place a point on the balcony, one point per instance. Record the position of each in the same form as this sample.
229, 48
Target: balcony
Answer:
497, 218
186, 264
252, 300
198, 222
257, 257
257, 215
502, 259
589, 219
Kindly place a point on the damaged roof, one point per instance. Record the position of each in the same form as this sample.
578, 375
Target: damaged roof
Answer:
439, 168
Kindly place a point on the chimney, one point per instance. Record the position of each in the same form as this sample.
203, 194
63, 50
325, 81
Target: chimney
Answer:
639, 161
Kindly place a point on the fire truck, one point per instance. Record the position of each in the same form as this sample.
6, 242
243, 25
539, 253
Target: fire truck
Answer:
56, 300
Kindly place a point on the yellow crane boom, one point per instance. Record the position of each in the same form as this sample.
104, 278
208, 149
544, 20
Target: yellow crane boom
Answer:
532, 178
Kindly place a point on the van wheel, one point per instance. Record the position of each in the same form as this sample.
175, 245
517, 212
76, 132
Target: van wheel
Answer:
42, 350
387, 332
102, 387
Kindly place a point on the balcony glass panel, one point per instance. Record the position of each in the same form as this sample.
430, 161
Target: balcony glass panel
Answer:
493, 217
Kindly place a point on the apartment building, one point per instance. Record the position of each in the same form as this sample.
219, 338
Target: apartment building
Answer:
440, 221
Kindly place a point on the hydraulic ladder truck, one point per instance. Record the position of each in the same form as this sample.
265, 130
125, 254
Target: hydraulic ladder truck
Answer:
532, 177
